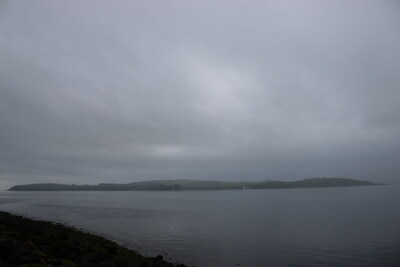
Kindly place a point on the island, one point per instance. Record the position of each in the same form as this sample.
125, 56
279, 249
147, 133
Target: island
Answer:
177, 185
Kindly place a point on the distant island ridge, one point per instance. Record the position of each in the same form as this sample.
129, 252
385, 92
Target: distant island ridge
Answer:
178, 185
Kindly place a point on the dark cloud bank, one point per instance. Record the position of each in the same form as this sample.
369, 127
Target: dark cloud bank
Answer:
120, 91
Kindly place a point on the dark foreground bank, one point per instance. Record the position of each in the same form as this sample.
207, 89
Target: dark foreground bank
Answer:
26, 242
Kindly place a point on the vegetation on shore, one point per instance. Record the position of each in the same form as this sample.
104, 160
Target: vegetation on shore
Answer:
174, 185
26, 242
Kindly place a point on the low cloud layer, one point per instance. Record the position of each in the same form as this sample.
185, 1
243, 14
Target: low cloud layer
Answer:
120, 91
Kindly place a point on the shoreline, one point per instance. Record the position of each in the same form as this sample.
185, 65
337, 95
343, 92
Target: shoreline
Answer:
190, 185
31, 242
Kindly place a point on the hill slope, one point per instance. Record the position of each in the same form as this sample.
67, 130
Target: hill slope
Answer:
174, 185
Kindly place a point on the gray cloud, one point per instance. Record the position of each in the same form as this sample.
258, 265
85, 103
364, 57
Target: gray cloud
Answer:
121, 91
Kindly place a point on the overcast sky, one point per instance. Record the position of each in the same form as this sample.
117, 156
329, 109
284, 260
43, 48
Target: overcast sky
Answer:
122, 91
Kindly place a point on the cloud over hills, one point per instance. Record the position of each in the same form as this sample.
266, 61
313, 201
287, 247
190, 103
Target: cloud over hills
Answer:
101, 91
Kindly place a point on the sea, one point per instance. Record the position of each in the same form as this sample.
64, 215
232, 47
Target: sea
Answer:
341, 226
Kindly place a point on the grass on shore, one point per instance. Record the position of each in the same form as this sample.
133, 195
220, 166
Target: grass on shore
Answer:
25, 242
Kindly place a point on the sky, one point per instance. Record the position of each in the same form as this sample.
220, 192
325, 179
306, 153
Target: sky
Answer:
124, 91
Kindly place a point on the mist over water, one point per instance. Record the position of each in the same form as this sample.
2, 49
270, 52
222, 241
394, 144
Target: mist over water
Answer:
124, 91
352, 226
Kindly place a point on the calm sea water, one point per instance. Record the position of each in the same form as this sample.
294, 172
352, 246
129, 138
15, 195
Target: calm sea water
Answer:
347, 226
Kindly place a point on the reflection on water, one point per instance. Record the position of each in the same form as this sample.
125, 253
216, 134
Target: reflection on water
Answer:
357, 226
107, 212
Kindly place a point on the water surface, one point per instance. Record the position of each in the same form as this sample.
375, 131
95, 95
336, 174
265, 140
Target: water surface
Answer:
343, 226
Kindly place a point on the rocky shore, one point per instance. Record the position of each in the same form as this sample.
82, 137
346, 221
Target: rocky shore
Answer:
26, 242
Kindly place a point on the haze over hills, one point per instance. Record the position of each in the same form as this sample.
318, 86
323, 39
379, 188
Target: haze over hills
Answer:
175, 185
109, 90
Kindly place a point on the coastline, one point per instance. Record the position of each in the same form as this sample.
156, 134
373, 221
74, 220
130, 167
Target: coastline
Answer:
190, 185
30, 242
